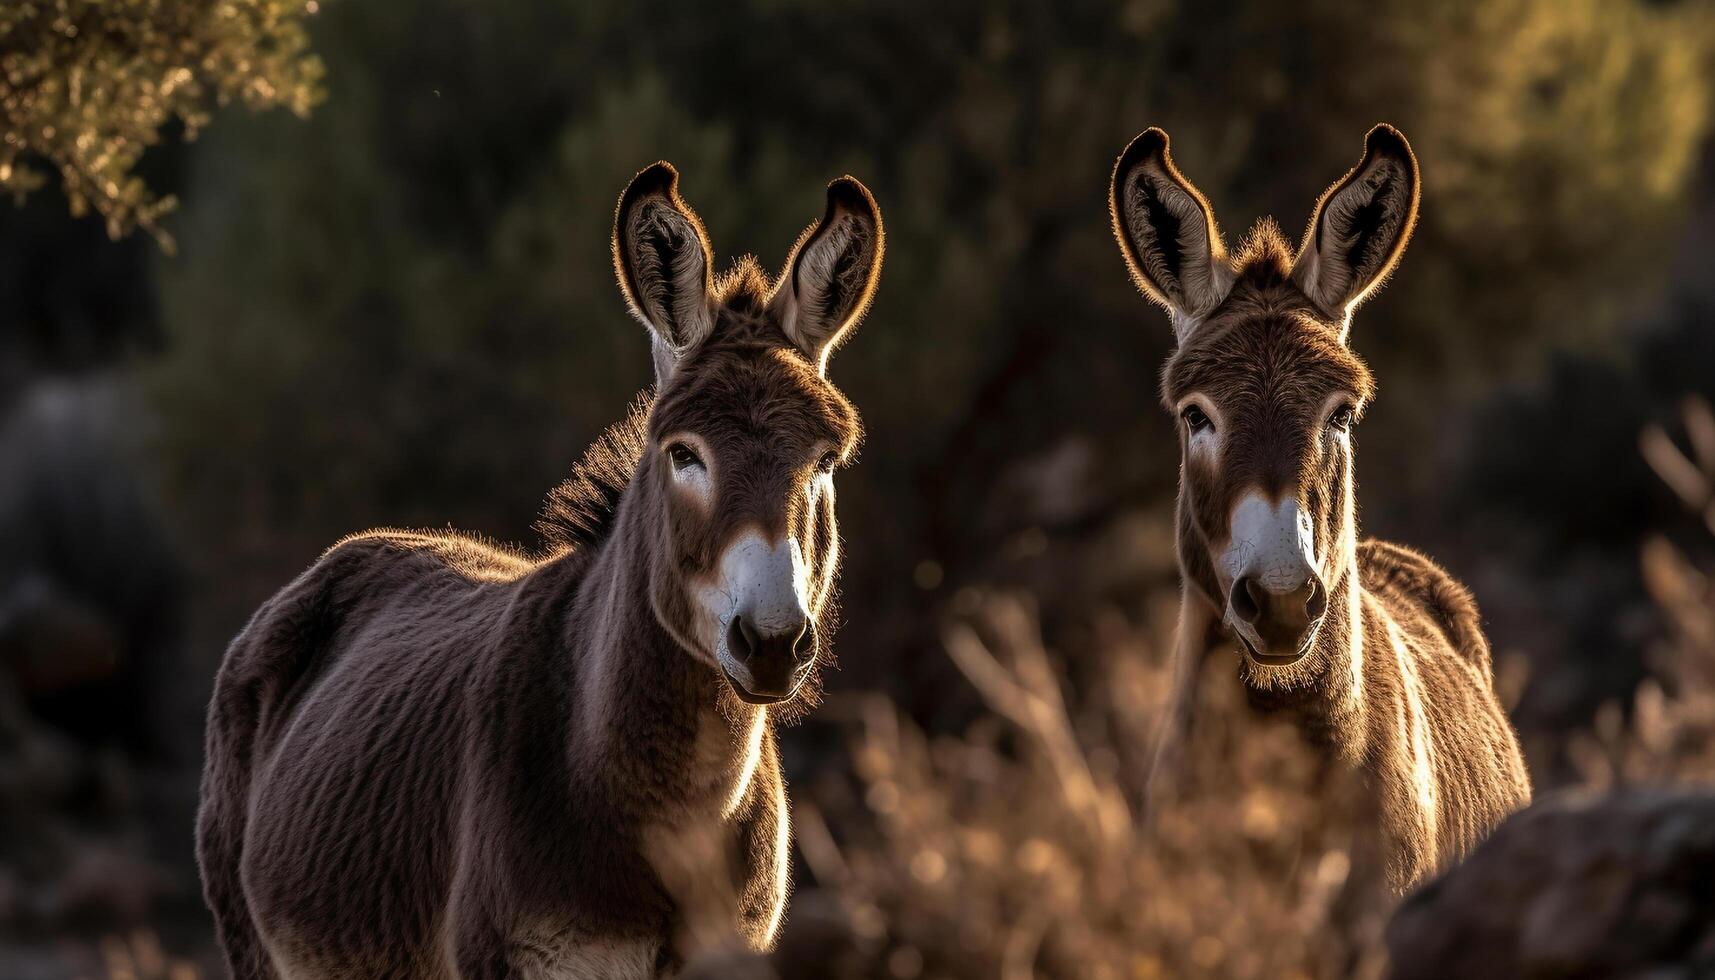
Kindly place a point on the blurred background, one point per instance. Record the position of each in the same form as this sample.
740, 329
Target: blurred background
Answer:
278, 270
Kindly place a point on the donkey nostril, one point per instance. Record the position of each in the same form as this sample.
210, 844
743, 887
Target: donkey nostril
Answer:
1247, 600
1317, 604
741, 637
804, 647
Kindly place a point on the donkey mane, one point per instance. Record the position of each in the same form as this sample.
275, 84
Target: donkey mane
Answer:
580, 512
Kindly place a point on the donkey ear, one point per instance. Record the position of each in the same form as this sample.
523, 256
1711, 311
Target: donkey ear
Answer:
661, 255
1167, 233
832, 273
1360, 227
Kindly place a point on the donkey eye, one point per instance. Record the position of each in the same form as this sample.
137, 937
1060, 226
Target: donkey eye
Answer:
828, 461
683, 456
1342, 418
1195, 420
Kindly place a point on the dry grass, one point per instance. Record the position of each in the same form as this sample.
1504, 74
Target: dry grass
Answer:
137, 955
1012, 850
1669, 735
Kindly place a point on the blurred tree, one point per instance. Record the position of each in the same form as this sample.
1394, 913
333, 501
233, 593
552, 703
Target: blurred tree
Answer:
87, 86
405, 312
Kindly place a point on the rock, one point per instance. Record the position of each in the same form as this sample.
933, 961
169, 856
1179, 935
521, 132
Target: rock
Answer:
1574, 886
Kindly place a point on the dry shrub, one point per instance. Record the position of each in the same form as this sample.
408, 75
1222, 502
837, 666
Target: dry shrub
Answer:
140, 957
1015, 850
1670, 734
136, 955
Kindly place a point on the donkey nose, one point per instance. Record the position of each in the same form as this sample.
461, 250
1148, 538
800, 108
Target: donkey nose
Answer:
774, 654
1300, 606
1281, 619
748, 641
804, 644
1248, 599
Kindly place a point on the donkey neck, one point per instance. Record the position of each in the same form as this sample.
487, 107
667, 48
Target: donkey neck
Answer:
1328, 703
660, 726
1333, 706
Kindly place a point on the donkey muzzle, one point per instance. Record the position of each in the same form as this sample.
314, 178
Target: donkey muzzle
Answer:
770, 664
1277, 599
767, 641
1277, 624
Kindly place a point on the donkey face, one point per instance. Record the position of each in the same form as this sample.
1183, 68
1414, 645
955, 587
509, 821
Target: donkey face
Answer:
1263, 385
746, 432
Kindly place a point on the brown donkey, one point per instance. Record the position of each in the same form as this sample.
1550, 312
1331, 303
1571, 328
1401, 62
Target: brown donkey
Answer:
428, 757
1374, 649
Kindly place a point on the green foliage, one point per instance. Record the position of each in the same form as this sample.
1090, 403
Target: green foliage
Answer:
87, 85
1559, 141
401, 357
403, 311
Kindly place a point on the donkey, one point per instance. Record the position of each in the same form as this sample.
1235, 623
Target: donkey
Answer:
1373, 649
430, 757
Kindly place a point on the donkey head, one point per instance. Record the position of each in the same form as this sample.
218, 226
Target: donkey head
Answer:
1263, 383
746, 431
